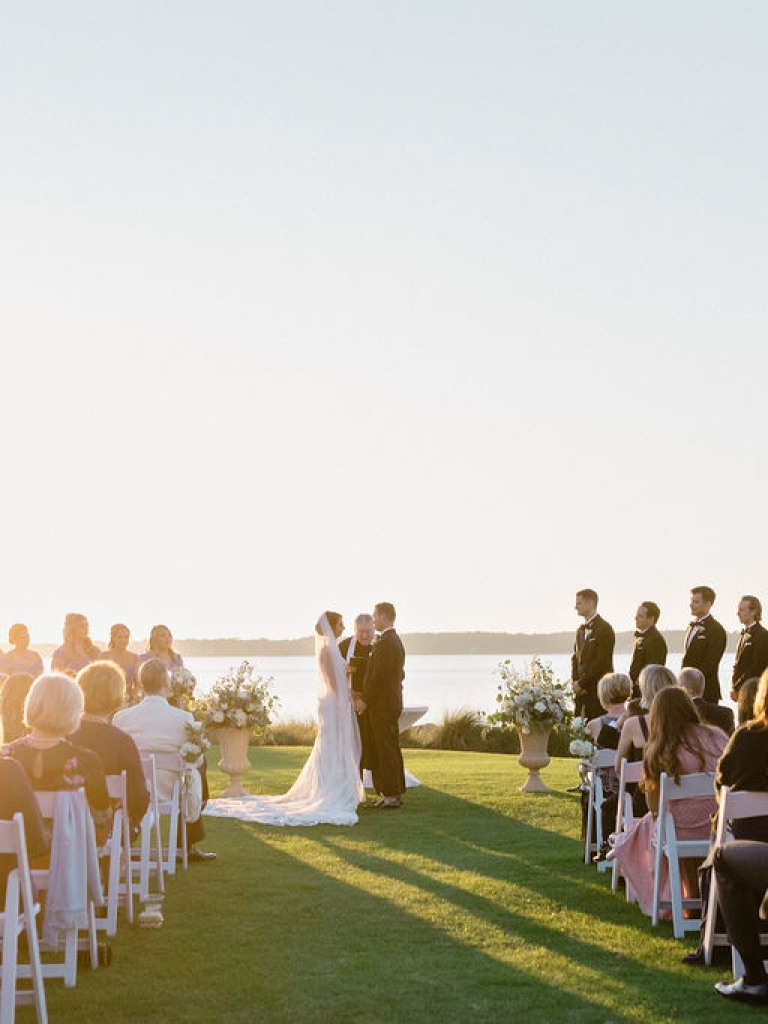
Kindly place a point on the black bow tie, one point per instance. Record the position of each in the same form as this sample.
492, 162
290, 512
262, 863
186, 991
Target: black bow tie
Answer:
639, 632
695, 623
746, 630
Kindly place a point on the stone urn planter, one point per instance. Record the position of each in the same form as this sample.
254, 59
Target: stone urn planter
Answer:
534, 757
234, 757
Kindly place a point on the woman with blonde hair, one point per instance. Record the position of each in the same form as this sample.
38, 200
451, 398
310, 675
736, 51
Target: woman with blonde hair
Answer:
118, 653
679, 743
634, 731
78, 650
52, 712
160, 646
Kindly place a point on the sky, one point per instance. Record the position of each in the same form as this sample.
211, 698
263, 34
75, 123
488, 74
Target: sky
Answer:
459, 305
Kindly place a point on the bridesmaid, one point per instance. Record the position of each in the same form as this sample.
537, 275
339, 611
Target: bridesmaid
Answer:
20, 658
118, 653
78, 650
160, 646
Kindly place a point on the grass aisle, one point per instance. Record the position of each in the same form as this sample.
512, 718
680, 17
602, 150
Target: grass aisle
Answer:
470, 903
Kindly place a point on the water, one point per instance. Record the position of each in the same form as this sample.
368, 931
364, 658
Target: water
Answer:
439, 681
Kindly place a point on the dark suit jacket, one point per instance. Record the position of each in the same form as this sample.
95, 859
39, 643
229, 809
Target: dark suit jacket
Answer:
704, 653
715, 714
744, 765
383, 687
751, 656
358, 661
592, 655
648, 649
117, 751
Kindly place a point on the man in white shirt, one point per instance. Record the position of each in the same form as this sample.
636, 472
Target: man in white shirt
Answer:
158, 728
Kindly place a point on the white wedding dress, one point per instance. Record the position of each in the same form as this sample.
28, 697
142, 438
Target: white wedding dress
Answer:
328, 789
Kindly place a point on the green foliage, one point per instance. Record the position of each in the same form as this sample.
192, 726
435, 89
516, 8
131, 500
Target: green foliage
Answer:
296, 733
531, 699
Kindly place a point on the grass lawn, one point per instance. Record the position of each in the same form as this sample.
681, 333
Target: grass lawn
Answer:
469, 903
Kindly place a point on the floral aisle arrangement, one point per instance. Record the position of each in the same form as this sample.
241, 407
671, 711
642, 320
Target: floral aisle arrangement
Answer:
182, 684
581, 745
196, 743
238, 700
532, 700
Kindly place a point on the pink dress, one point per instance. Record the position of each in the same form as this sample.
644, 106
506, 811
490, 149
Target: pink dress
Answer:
634, 849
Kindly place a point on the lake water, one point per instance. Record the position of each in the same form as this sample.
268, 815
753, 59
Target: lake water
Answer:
441, 682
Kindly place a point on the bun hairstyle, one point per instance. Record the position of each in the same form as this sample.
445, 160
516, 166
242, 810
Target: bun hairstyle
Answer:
334, 618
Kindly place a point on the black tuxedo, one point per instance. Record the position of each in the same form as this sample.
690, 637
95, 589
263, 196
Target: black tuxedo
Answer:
703, 651
383, 696
592, 658
359, 662
650, 648
751, 655
715, 714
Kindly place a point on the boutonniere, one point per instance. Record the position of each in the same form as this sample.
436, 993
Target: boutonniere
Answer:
588, 633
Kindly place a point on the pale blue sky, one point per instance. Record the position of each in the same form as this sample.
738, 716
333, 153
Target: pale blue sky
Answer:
460, 305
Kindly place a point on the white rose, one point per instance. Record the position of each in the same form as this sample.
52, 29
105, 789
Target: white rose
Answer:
540, 706
217, 716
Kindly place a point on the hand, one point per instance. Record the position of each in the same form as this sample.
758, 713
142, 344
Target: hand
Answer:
360, 705
576, 688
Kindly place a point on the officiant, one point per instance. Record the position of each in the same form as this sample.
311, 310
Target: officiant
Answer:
356, 650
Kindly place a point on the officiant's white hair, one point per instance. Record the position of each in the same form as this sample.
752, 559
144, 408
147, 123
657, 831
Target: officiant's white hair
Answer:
363, 619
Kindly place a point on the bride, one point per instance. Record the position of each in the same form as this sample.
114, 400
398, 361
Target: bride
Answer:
328, 789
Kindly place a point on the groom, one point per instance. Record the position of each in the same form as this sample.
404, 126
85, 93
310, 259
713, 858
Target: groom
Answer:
383, 700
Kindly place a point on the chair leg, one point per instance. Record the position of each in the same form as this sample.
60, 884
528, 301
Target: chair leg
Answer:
70, 958
10, 958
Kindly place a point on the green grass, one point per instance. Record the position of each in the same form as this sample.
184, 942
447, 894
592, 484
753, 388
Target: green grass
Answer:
469, 904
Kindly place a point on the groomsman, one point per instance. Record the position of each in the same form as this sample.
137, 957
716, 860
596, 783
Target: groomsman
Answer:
592, 654
705, 642
650, 647
752, 649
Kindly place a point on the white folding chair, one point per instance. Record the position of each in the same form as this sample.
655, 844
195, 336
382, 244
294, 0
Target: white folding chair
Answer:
175, 810
631, 772
117, 850
600, 759
147, 859
668, 846
732, 804
19, 916
48, 801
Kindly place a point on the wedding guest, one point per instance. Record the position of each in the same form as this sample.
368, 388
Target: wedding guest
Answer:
705, 642
78, 650
679, 743
356, 650
17, 795
746, 700
635, 729
103, 686
752, 648
592, 654
12, 697
20, 658
650, 647
744, 766
742, 879
158, 728
692, 681
52, 713
117, 652
613, 691
160, 646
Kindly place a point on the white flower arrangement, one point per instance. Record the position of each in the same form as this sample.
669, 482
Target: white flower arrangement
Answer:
533, 700
239, 700
196, 743
182, 684
581, 745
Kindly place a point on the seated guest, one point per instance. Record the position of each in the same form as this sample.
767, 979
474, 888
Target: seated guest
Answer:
692, 681
17, 795
78, 650
679, 743
744, 765
52, 713
103, 686
742, 878
159, 728
634, 730
613, 691
20, 658
12, 697
117, 652
160, 646
745, 702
